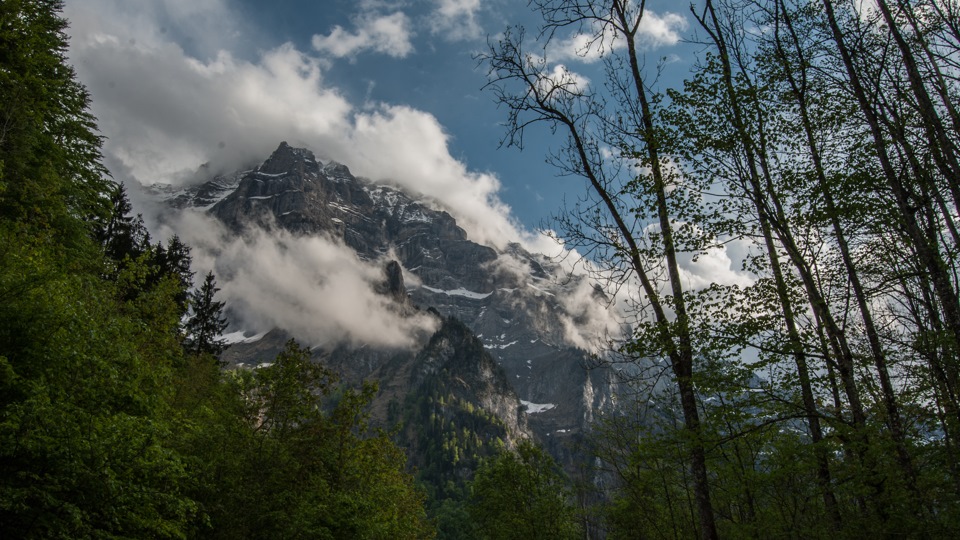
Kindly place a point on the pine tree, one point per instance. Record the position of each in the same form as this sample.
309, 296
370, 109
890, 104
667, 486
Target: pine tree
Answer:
207, 322
122, 235
51, 176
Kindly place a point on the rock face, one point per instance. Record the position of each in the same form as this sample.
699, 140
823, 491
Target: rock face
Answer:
520, 310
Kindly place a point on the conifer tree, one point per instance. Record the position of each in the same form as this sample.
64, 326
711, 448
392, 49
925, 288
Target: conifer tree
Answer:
207, 322
122, 234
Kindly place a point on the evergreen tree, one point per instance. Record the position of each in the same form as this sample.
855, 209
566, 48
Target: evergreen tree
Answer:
302, 462
173, 262
207, 322
51, 177
106, 431
122, 235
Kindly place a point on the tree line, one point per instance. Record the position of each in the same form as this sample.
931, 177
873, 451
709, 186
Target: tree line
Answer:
116, 419
824, 137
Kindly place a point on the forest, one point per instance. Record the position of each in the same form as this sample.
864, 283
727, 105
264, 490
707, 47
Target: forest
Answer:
116, 420
820, 400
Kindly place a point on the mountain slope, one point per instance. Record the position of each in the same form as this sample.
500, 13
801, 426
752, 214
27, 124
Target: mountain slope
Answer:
529, 315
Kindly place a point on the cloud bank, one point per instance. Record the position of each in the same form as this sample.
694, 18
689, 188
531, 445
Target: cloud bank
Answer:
166, 112
456, 19
315, 288
169, 104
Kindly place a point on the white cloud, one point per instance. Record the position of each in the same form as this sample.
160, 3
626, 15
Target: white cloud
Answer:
455, 19
386, 34
204, 27
166, 112
655, 31
315, 288
718, 265
661, 30
562, 80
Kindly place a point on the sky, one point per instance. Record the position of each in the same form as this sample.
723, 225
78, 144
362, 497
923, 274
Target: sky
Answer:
389, 87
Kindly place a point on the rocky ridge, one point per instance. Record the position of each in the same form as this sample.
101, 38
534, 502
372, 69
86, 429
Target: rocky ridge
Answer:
516, 304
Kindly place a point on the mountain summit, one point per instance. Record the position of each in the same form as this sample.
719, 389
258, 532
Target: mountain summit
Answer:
532, 318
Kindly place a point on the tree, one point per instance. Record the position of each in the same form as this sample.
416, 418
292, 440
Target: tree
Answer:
207, 322
106, 430
84, 372
523, 494
634, 191
291, 456
51, 175
828, 132
123, 236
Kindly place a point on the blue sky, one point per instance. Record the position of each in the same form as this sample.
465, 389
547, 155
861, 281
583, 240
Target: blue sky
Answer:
389, 87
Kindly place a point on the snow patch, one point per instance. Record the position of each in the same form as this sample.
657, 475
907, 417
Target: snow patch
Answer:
240, 337
534, 287
459, 292
534, 408
399, 205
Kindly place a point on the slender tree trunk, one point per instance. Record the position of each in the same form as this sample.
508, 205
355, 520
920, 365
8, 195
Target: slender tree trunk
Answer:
682, 358
942, 149
799, 91
926, 248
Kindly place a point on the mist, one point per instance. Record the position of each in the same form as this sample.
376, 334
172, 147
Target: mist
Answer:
315, 288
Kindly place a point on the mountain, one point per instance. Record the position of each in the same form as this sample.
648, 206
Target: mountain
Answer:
519, 311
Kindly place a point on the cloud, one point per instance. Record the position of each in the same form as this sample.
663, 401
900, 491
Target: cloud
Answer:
584, 317
166, 112
191, 23
385, 34
718, 265
654, 31
661, 30
456, 20
563, 80
315, 288
167, 108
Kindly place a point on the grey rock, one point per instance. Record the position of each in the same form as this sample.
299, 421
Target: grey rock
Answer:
509, 300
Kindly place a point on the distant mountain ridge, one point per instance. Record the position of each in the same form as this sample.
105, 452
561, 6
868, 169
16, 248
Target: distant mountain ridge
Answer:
522, 307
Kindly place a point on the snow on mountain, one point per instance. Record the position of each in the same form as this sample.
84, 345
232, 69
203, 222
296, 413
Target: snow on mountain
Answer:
541, 319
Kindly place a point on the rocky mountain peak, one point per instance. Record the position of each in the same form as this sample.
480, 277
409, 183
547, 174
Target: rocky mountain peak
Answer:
287, 159
518, 311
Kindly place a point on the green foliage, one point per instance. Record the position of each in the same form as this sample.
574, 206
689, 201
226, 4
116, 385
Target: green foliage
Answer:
83, 413
295, 458
107, 430
51, 178
448, 439
522, 494
206, 322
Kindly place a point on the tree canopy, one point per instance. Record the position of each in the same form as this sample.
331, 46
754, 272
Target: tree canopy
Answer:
822, 138
109, 428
